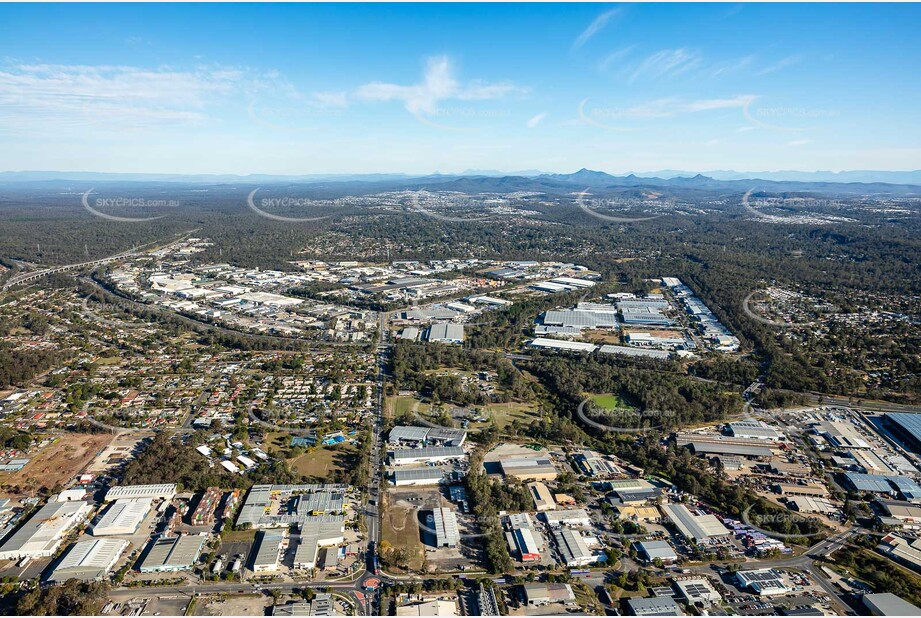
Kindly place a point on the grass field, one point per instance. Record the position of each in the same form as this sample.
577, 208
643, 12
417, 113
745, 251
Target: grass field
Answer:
399, 406
505, 413
55, 464
400, 530
320, 462
609, 401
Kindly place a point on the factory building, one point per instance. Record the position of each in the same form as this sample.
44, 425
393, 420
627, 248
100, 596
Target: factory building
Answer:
649, 551
543, 499
406, 435
422, 476
445, 333
89, 560
317, 532
267, 555
171, 554
573, 550
696, 527
888, 604
566, 346
426, 454
653, 606
763, 582
840, 435
446, 532
540, 594
529, 469
43, 533
622, 350
906, 427
309, 499
754, 430
569, 517
122, 517
164, 491
696, 590
595, 465
522, 538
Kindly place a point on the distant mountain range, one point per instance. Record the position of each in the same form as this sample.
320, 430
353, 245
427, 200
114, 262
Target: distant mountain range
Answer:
853, 182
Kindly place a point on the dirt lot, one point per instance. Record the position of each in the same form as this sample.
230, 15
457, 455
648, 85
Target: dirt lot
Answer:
238, 605
55, 464
400, 524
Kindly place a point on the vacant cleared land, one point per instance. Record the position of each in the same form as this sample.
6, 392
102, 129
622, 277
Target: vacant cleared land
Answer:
320, 462
55, 464
400, 534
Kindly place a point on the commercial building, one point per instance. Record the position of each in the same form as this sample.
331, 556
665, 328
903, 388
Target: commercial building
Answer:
261, 507
43, 533
763, 582
522, 538
433, 607
407, 435
697, 526
421, 476
426, 454
567, 517
122, 517
89, 560
622, 350
906, 427
696, 590
543, 499
317, 532
891, 485
653, 606
755, 430
840, 434
888, 604
164, 491
446, 333
540, 594
572, 547
171, 554
529, 468
650, 551
446, 532
593, 464
901, 513
267, 555
700, 447
558, 344
902, 550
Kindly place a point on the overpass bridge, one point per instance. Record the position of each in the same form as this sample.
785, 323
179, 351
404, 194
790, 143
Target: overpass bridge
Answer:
28, 277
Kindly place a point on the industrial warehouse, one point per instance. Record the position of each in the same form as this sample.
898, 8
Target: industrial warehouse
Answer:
122, 517
43, 534
89, 560
170, 554
280, 506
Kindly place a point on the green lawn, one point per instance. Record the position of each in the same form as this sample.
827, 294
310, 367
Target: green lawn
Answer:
609, 401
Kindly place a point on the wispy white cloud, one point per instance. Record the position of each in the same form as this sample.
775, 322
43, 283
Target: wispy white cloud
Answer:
54, 94
799, 142
438, 84
779, 65
595, 27
667, 62
613, 57
536, 120
745, 129
731, 67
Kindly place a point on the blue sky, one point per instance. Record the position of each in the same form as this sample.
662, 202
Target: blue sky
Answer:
300, 89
